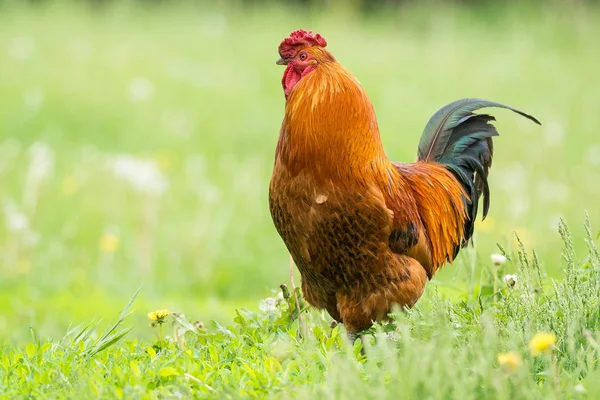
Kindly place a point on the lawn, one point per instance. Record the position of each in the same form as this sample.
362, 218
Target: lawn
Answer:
136, 145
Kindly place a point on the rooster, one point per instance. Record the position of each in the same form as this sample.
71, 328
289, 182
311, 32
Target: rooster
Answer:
366, 233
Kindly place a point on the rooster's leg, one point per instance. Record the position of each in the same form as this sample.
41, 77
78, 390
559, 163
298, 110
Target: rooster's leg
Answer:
352, 336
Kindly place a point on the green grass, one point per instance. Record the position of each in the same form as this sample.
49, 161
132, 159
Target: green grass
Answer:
194, 96
439, 349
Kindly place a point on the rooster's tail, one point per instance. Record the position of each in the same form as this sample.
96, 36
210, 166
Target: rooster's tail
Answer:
462, 141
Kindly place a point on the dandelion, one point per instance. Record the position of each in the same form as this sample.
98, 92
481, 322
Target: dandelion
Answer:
510, 360
109, 243
510, 280
498, 259
159, 316
268, 304
542, 342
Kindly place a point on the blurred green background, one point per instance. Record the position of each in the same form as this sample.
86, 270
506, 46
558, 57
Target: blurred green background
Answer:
137, 139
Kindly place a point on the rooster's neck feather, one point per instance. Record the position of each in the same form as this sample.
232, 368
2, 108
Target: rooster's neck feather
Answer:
330, 127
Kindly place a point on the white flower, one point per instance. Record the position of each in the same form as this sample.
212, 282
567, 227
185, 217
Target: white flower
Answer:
140, 89
510, 280
16, 221
498, 259
144, 175
41, 161
579, 388
268, 304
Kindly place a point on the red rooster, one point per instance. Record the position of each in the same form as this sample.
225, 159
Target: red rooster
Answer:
367, 233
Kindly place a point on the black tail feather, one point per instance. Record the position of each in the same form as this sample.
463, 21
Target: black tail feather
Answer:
462, 140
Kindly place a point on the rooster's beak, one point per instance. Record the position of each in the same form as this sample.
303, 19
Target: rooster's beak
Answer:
282, 61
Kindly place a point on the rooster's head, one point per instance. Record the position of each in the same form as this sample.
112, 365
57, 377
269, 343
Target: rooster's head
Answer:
301, 52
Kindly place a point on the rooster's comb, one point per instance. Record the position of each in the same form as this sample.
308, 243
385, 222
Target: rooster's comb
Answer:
300, 37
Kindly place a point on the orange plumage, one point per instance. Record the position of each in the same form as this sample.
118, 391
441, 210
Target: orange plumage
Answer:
367, 233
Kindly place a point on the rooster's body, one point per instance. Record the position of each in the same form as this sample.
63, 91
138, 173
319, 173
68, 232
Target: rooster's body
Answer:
367, 233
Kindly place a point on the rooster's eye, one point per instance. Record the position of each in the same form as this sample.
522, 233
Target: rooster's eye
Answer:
303, 56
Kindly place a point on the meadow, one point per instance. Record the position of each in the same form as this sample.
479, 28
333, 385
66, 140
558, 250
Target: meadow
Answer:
136, 146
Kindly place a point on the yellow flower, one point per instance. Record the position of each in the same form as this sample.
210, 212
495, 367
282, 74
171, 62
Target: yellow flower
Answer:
69, 186
159, 316
109, 243
486, 225
163, 161
510, 360
542, 342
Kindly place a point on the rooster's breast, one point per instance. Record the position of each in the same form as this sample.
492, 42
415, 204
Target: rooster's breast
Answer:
338, 237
